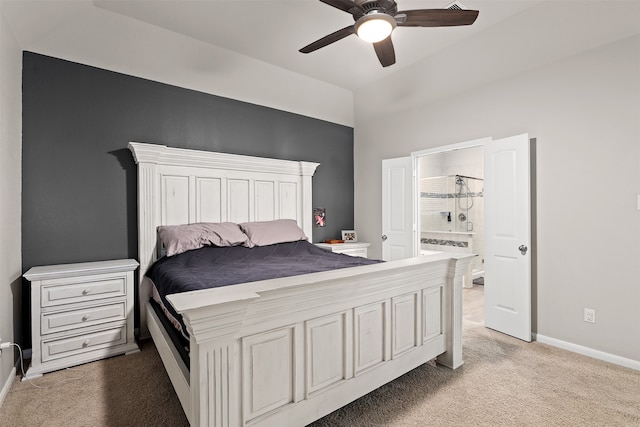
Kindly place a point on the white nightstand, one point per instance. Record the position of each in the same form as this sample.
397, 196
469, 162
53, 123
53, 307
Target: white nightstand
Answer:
80, 313
353, 249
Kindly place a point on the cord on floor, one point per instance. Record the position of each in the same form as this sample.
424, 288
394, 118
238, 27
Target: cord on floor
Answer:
6, 345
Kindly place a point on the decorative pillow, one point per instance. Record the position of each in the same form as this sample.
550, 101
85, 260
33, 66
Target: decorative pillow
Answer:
182, 238
263, 233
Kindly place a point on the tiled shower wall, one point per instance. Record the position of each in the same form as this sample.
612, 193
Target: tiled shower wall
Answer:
444, 209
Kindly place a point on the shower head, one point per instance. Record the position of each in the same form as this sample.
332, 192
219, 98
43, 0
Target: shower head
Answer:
459, 180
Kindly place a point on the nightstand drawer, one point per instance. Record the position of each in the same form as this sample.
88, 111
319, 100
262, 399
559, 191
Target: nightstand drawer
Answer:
355, 252
56, 322
80, 290
352, 249
83, 343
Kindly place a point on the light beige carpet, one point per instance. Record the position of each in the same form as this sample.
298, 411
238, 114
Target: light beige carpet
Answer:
131, 390
504, 382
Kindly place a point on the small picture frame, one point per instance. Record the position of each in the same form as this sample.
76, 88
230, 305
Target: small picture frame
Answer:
349, 236
319, 217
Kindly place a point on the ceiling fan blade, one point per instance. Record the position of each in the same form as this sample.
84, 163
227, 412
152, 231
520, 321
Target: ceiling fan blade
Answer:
345, 5
435, 17
327, 40
385, 51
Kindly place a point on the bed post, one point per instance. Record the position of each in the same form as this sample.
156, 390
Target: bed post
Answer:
146, 160
452, 315
305, 220
216, 399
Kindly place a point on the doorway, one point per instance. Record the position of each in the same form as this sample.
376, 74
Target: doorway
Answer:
505, 178
509, 187
451, 214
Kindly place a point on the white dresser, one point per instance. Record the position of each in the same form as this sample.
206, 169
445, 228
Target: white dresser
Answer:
353, 249
80, 313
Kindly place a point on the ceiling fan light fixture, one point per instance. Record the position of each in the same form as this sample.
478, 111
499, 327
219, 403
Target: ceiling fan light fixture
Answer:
375, 27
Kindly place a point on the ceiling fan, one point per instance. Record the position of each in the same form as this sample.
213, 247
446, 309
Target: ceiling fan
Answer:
375, 20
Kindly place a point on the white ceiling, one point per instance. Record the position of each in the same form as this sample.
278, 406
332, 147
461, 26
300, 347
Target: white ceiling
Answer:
273, 31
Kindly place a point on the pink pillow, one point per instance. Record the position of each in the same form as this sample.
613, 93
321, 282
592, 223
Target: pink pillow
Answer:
265, 233
182, 238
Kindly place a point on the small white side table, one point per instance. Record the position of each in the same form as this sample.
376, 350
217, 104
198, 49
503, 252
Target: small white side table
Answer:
80, 313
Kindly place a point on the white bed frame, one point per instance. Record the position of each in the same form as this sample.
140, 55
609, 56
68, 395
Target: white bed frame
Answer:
285, 352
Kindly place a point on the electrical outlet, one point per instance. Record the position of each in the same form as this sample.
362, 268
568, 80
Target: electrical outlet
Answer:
589, 315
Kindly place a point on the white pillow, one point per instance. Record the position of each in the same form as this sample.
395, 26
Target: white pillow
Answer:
263, 233
181, 238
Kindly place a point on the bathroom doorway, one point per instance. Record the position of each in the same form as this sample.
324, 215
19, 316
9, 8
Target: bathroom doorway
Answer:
508, 222
451, 214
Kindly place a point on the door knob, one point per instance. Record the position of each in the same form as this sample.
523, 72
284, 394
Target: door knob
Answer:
523, 249
384, 237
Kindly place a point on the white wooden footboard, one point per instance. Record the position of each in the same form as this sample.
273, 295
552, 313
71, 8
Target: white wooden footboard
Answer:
289, 351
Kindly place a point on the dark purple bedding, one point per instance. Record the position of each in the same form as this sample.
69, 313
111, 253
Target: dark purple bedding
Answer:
212, 267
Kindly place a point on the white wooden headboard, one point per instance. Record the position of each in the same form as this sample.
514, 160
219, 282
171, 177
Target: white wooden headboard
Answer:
181, 186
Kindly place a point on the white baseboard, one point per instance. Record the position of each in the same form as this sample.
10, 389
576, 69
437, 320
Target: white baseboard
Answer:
586, 351
7, 385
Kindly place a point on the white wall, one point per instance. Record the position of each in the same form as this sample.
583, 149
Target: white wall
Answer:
80, 32
10, 190
585, 113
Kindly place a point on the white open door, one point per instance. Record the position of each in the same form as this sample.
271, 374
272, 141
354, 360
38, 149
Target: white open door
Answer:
398, 227
507, 198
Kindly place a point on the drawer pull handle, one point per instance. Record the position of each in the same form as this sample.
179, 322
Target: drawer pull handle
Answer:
85, 344
85, 317
85, 292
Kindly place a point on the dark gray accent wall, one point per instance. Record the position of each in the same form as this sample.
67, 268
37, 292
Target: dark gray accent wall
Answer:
79, 179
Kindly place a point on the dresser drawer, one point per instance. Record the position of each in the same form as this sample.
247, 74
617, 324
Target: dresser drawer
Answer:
58, 292
62, 321
97, 340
